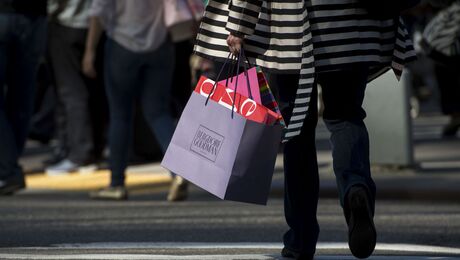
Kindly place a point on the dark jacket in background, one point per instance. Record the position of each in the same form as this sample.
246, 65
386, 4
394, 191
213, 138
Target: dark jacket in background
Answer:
27, 7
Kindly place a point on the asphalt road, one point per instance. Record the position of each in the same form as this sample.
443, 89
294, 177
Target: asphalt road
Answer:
60, 225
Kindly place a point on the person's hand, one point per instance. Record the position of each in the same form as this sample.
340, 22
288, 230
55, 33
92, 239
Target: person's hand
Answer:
234, 44
88, 66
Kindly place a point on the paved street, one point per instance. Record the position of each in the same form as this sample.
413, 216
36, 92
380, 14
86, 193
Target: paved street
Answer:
418, 213
69, 225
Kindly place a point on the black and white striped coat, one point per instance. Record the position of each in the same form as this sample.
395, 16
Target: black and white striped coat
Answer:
443, 31
306, 37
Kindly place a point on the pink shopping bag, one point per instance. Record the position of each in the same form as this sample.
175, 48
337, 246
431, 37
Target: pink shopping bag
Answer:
243, 86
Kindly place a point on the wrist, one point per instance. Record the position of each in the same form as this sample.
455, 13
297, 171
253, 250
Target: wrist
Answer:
89, 52
237, 34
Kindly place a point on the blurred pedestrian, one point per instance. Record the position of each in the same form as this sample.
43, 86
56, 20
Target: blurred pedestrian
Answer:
68, 28
183, 34
22, 43
336, 44
441, 41
181, 86
42, 125
139, 63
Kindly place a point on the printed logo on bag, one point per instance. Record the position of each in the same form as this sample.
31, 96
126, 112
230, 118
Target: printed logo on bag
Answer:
207, 143
224, 96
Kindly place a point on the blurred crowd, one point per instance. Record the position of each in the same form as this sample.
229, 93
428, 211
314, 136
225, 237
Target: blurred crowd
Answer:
105, 81
90, 76
435, 28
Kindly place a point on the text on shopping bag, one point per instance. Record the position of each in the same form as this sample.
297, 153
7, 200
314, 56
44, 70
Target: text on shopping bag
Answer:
241, 105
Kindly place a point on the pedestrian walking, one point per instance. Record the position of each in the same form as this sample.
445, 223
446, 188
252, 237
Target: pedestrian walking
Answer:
22, 43
139, 63
441, 41
340, 45
68, 28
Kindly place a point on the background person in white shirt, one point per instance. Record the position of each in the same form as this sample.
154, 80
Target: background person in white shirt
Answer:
138, 65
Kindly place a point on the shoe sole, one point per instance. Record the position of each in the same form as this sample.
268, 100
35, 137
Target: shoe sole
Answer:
86, 170
286, 253
363, 236
178, 192
59, 173
11, 190
99, 197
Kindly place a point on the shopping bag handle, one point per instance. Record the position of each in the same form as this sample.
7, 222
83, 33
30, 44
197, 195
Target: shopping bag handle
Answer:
231, 69
230, 57
246, 68
246, 74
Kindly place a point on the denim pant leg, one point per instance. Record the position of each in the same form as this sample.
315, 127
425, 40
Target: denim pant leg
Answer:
155, 93
121, 72
343, 95
8, 149
22, 42
66, 51
300, 170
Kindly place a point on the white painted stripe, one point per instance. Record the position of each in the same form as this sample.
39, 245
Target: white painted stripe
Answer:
154, 245
398, 248
52, 253
440, 165
131, 257
167, 245
195, 257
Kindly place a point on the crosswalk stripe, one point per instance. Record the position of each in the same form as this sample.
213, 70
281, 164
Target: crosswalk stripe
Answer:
265, 246
131, 257
195, 257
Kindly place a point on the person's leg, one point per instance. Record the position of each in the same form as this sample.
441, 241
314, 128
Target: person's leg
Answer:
66, 48
181, 86
23, 41
300, 171
343, 95
28, 48
155, 95
43, 125
8, 149
449, 89
98, 105
121, 79
22, 68
156, 104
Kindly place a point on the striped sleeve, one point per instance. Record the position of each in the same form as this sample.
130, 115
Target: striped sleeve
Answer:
243, 16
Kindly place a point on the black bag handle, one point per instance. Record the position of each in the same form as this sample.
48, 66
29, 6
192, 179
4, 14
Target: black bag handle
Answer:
241, 57
230, 57
246, 68
240, 60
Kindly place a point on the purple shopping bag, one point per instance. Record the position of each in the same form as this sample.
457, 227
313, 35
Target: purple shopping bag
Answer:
230, 157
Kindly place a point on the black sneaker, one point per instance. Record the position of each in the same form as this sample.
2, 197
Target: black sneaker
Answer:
450, 131
12, 185
362, 235
298, 256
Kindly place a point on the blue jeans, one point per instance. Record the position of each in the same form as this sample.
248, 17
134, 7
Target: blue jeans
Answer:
146, 77
343, 94
22, 43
